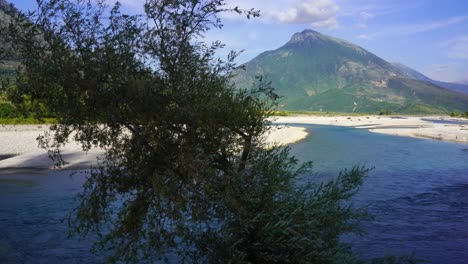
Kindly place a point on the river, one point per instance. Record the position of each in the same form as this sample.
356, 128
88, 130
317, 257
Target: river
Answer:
417, 192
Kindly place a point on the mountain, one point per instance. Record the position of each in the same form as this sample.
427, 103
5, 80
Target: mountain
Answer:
8, 60
459, 87
412, 73
317, 72
4, 4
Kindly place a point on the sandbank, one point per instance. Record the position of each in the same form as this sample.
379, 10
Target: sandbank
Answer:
19, 148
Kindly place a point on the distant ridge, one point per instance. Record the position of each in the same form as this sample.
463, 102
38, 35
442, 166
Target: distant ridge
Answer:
459, 87
316, 72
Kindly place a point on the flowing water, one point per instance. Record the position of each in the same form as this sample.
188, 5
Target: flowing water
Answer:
417, 191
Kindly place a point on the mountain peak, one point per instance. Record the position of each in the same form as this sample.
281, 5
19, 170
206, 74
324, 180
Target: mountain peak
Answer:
307, 34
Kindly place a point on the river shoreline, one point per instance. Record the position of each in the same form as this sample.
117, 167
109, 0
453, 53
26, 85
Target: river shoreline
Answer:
20, 150
19, 147
430, 127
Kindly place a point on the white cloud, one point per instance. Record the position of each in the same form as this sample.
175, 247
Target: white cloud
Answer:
318, 13
364, 37
363, 18
364, 15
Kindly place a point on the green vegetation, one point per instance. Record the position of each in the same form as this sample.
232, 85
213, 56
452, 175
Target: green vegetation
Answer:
315, 72
315, 113
7, 70
312, 113
27, 121
11, 113
7, 110
25, 111
15, 107
281, 113
186, 169
386, 112
454, 114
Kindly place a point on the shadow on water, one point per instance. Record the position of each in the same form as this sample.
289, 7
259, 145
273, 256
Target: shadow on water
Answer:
7, 156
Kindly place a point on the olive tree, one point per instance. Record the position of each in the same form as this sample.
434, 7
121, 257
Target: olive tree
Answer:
186, 169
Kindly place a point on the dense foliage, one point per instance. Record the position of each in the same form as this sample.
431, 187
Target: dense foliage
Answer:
454, 114
13, 109
186, 169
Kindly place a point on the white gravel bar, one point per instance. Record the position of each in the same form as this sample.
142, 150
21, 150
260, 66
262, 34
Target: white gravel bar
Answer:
408, 126
19, 147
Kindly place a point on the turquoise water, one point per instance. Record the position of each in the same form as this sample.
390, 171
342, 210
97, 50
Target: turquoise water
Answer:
418, 192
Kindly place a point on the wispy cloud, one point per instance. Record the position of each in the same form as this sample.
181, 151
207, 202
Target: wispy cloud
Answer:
364, 37
364, 17
417, 28
457, 48
379, 8
430, 26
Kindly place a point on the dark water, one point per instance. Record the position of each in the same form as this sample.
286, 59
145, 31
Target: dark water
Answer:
33, 209
418, 193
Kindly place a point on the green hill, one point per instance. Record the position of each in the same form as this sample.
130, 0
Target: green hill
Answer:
9, 62
8, 59
320, 73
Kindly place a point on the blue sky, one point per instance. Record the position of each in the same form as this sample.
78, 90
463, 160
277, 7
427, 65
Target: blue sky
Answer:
430, 36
